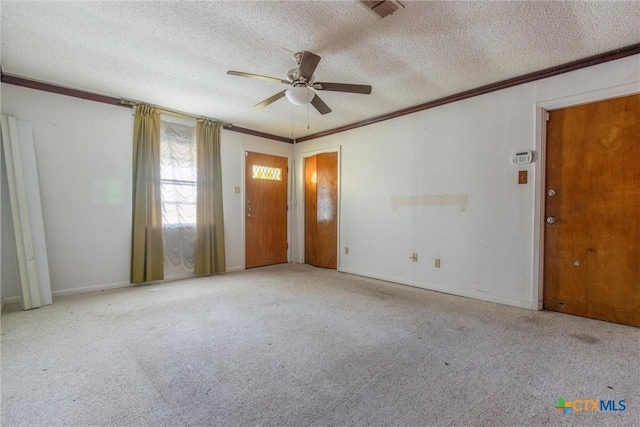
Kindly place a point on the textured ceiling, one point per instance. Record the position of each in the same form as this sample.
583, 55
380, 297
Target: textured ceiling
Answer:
176, 54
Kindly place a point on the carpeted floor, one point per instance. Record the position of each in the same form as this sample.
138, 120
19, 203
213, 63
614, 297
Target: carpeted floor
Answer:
293, 345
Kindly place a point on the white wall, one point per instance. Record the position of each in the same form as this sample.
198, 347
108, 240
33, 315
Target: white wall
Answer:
83, 153
488, 250
84, 156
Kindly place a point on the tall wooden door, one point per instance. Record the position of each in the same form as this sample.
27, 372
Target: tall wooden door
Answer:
592, 208
265, 209
321, 210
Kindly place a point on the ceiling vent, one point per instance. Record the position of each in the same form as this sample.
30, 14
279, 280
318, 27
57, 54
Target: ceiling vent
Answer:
382, 8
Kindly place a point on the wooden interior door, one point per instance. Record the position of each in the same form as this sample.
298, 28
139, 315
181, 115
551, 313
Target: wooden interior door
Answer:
592, 208
265, 209
310, 210
321, 210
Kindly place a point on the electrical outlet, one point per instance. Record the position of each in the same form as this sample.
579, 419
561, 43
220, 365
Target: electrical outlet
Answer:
437, 263
346, 250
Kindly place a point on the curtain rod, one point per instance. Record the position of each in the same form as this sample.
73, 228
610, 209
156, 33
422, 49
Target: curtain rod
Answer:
174, 112
225, 125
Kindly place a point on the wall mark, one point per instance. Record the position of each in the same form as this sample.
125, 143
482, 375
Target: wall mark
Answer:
431, 200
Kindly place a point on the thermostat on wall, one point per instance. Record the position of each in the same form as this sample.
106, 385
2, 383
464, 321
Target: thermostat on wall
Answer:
523, 157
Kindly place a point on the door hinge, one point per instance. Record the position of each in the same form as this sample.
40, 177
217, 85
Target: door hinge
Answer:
546, 115
287, 245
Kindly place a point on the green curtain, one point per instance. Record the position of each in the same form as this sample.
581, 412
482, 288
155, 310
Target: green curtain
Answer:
209, 215
147, 260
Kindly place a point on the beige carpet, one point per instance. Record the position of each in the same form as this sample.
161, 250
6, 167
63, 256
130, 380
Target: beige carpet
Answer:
293, 345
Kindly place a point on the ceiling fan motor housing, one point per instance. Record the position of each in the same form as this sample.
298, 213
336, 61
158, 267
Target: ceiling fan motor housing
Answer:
293, 75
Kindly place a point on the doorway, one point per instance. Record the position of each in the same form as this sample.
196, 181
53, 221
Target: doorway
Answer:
592, 209
266, 209
321, 210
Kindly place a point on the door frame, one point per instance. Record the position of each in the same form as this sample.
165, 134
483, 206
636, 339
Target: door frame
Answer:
303, 157
541, 111
245, 150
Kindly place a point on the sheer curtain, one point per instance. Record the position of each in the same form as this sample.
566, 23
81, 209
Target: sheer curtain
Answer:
178, 170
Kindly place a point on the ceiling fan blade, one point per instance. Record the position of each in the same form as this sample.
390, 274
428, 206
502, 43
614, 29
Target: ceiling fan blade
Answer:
308, 64
270, 100
343, 87
257, 76
320, 105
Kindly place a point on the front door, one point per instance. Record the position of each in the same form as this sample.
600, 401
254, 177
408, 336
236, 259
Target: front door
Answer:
265, 209
592, 208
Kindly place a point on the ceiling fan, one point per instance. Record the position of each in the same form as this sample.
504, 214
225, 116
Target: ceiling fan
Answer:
302, 82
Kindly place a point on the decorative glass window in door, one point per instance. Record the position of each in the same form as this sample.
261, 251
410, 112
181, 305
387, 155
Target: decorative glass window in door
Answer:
267, 172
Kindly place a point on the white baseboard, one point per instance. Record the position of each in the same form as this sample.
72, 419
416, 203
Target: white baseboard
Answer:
94, 288
172, 278
104, 287
12, 300
478, 296
236, 268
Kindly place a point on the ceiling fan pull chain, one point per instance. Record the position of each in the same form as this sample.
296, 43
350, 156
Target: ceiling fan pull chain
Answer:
307, 116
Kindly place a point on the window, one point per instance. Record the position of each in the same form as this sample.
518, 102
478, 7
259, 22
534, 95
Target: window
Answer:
267, 172
178, 178
178, 174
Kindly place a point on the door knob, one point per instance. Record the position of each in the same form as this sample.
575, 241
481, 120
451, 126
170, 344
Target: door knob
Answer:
551, 220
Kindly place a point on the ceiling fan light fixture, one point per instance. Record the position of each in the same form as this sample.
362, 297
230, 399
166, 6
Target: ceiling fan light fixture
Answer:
300, 95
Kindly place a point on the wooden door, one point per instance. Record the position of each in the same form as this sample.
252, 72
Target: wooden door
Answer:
310, 210
321, 210
592, 208
265, 210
